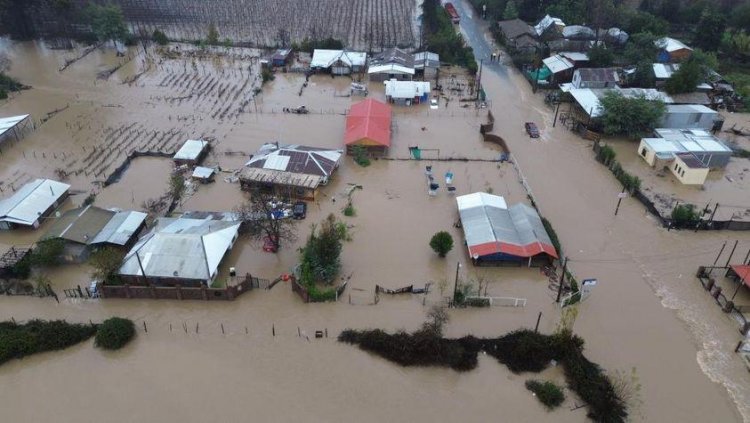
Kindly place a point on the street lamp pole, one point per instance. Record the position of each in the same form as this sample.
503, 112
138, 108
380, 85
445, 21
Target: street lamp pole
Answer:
455, 283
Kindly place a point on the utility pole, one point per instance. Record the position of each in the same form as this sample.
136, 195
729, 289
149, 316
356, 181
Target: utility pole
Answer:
455, 283
717, 258
562, 279
557, 109
732, 253
479, 79
620, 196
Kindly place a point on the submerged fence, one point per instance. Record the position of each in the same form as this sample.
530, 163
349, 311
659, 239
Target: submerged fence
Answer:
726, 304
226, 293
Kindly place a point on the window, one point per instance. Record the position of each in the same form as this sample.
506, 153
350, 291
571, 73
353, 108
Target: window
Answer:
696, 117
643, 152
675, 166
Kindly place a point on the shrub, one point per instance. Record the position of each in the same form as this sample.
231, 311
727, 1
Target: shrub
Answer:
359, 154
349, 210
160, 38
441, 243
684, 215
20, 340
114, 333
547, 392
266, 75
47, 252
552, 236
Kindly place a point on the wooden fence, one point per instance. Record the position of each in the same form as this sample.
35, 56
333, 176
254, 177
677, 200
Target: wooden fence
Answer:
486, 128
227, 293
727, 305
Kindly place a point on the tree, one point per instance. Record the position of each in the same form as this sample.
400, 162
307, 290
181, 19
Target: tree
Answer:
114, 333
632, 117
441, 243
709, 30
641, 47
176, 186
213, 35
437, 317
47, 252
259, 219
160, 38
511, 11
691, 73
644, 75
600, 57
322, 251
107, 22
740, 17
106, 262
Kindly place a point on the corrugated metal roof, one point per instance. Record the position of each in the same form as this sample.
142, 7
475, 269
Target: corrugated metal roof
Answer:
665, 70
182, 248
491, 227
390, 68
190, 150
371, 120
296, 161
203, 172
557, 63
8, 123
325, 58
121, 228
670, 44
406, 89
28, 203
80, 225
426, 58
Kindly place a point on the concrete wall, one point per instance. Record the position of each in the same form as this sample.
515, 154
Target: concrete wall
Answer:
646, 153
688, 120
687, 175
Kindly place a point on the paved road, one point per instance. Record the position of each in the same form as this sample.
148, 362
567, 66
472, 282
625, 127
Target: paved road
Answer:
475, 37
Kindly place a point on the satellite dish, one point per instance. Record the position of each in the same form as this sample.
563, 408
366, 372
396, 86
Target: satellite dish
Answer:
57, 214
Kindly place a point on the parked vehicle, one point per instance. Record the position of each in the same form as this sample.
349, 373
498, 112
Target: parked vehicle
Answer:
434, 103
299, 210
532, 130
269, 245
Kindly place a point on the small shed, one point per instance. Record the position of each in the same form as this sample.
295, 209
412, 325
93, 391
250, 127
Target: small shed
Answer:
392, 63
191, 153
204, 174
560, 68
688, 169
368, 124
14, 127
426, 64
672, 50
280, 57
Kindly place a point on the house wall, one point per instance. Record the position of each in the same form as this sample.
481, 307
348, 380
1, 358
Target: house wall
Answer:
372, 150
285, 191
646, 153
687, 175
506, 260
688, 120
380, 77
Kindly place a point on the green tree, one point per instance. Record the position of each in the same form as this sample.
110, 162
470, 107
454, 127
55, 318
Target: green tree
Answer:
114, 333
632, 117
709, 30
258, 219
572, 12
635, 21
213, 35
160, 38
441, 243
48, 252
107, 22
641, 47
644, 75
511, 11
691, 73
176, 186
600, 57
323, 250
740, 17
106, 262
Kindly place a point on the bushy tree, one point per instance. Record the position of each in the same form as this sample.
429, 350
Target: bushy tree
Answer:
600, 57
323, 250
48, 252
709, 30
641, 47
441, 243
107, 22
114, 333
632, 117
511, 11
691, 73
635, 21
258, 220
106, 262
213, 35
176, 186
160, 38
740, 17
644, 75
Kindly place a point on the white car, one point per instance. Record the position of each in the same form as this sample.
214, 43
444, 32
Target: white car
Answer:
434, 104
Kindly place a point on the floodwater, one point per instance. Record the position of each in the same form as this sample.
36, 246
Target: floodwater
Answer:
648, 312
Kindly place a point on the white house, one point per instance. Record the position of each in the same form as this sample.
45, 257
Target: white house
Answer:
31, 203
688, 116
338, 62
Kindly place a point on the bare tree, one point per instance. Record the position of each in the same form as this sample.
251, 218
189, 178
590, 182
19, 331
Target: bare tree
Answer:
437, 317
259, 219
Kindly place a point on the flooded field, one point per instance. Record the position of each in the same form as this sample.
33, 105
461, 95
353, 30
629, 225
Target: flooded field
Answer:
648, 311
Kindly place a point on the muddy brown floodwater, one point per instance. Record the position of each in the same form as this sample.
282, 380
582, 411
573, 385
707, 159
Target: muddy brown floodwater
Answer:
648, 311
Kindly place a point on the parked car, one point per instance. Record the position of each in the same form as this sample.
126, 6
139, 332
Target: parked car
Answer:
269, 246
433, 104
532, 130
299, 210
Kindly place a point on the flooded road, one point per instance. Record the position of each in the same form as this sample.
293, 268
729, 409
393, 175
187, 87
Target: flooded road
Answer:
648, 312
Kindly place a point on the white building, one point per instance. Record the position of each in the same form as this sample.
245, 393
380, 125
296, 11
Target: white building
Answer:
688, 116
33, 202
338, 62
407, 92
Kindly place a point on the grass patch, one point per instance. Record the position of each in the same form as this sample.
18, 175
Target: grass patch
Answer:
37, 336
547, 393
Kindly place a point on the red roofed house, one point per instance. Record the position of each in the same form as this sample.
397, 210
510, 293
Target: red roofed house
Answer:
368, 124
498, 235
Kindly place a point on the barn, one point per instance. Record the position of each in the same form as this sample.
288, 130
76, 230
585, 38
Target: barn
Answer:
368, 124
500, 235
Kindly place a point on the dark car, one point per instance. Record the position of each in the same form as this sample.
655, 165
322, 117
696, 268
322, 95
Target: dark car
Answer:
532, 130
299, 210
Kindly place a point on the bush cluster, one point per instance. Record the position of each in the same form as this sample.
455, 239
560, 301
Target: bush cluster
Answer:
684, 215
548, 393
36, 336
114, 333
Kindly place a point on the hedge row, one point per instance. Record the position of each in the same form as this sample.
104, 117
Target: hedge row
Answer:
37, 336
520, 351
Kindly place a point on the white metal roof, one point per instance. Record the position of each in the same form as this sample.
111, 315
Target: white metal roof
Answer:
686, 140
431, 60
557, 63
478, 199
325, 58
546, 22
588, 101
190, 150
203, 172
28, 203
690, 108
575, 56
588, 98
7, 123
121, 228
182, 248
406, 89
665, 70
390, 68
670, 44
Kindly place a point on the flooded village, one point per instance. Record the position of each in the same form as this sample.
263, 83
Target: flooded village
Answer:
183, 186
